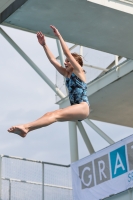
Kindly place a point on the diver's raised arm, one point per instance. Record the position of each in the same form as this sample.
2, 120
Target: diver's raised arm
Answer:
51, 57
66, 50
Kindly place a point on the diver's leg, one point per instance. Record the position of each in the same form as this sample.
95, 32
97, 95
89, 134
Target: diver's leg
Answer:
71, 113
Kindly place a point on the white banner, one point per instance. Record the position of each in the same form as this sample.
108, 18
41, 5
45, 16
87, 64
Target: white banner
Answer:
107, 172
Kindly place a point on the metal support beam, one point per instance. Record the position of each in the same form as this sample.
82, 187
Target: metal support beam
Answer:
32, 64
69, 49
85, 137
99, 131
61, 55
73, 141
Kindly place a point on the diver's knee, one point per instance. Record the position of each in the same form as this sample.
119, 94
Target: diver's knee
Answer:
58, 115
54, 114
48, 113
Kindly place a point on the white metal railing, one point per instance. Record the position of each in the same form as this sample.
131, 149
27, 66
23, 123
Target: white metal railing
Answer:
34, 183
95, 67
15, 170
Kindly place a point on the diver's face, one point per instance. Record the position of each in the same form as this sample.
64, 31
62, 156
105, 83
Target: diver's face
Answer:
68, 65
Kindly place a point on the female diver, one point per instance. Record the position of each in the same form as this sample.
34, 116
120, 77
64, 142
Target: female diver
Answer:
75, 82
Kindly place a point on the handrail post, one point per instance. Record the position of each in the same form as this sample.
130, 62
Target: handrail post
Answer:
0, 177
9, 189
81, 50
42, 181
116, 60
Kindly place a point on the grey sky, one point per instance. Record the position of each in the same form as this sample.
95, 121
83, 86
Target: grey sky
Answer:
25, 97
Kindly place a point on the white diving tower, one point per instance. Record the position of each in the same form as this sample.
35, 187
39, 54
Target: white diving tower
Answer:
98, 24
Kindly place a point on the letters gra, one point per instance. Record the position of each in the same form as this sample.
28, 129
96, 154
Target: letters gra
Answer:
106, 167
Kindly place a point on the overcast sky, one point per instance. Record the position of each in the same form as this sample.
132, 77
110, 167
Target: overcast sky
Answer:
25, 97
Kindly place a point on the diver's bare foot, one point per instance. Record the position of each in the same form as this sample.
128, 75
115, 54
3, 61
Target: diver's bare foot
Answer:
20, 130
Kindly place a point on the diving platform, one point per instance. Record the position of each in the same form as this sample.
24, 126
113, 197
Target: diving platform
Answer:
98, 24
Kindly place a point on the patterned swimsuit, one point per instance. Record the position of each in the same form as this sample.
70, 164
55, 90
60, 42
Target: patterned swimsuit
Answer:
77, 90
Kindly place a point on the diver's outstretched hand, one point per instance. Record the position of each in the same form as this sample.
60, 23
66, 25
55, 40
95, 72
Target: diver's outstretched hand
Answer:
55, 30
41, 38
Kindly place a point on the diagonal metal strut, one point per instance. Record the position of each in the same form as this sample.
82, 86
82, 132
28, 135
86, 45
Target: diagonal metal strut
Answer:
99, 131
